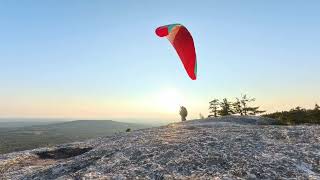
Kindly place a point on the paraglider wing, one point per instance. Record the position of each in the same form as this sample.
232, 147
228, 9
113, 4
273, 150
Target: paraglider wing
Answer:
182, 41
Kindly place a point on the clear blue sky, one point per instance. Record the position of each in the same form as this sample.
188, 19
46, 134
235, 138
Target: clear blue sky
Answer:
101, 59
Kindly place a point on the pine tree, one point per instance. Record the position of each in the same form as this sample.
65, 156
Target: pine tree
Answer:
246, 109
214, 107
254, 110
238, 107
244, 103
316, 114
226, 108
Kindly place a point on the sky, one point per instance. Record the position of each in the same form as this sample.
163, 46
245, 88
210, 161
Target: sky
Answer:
102, 59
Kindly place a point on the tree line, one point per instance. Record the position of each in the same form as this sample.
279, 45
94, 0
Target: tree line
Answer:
241, 106
297, 115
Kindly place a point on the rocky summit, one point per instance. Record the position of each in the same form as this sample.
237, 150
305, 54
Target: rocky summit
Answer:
218, 148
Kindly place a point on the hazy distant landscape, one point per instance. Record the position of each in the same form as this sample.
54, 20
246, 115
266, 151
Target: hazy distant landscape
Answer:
7, 123
23, 135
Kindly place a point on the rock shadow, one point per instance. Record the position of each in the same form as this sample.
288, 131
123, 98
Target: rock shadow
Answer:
62, 153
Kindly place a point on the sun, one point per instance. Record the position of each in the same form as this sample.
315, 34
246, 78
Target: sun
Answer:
169, 100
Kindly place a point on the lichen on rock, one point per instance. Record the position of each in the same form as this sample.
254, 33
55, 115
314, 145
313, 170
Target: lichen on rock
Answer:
216, 148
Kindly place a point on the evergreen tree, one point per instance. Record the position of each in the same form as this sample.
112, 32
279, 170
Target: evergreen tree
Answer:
244, 103
246, 109
238, 107
297, 115
254, 110
315, 114
214, 107
226, 108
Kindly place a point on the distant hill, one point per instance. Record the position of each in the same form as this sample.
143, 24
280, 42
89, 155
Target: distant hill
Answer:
14, 138
12, 124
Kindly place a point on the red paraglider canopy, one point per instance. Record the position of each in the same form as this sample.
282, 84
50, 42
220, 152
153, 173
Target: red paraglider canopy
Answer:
182, 41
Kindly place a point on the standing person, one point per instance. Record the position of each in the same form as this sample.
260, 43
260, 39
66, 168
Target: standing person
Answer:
183, 113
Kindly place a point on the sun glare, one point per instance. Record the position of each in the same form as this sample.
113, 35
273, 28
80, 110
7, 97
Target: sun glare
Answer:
169, 100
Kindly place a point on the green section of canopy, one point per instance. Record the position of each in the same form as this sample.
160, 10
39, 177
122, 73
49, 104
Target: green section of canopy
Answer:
195, 68
171, 26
